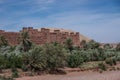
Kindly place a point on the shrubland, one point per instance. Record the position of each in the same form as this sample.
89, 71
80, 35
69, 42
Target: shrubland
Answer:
53, 56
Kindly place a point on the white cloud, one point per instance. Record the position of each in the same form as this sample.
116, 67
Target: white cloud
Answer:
97, 25
100, 27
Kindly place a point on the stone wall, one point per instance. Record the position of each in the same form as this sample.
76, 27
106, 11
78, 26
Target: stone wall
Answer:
43, 36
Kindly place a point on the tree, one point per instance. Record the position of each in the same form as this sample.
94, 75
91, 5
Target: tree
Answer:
3, 41
69, 44
25, 41
35, 59
83, 43
55, 55
107, 46
92, 44
118, 47
75, 60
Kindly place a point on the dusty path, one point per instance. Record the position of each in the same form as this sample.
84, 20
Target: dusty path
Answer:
109, 75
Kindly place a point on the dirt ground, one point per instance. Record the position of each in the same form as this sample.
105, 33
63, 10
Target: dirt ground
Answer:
87, 75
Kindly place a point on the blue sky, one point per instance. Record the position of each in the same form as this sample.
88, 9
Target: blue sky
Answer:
97, 19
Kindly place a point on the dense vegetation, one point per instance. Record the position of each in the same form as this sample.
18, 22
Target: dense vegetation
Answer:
52, 56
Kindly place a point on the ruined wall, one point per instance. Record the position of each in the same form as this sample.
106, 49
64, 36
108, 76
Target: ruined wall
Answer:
43, 36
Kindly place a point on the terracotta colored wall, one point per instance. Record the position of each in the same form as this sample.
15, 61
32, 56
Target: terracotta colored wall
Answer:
42, 37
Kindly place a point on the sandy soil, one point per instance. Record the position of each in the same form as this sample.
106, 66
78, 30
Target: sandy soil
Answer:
108, 75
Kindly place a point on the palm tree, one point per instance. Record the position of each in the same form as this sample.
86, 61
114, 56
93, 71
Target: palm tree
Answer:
3, 41
69, 44
25, 41
93, 44
83, 43
107, 46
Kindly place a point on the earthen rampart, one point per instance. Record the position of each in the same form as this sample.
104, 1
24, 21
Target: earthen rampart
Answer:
42, 36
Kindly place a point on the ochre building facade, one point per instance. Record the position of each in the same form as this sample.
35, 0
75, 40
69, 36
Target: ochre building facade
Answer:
42, 36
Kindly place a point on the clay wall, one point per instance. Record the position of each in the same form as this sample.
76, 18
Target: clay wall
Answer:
42, 37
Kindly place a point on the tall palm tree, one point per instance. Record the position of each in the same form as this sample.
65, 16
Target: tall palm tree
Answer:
3, 41
25, 41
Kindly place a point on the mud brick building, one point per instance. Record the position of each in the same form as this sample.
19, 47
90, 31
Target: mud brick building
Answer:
42, 36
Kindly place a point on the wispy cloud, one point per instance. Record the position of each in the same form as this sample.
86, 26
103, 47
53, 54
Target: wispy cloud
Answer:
25, 7
97, 19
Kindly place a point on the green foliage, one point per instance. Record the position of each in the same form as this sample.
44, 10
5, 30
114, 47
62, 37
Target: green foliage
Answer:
35, 59
5, 78
56, 56
3, 62
10, 60
3, 41
75, 60
53, 56
14, 61
89, 65
111, 61
15, 74
102, 66
25, 41
92, 45
85, 55
118, 56
107, 46
69, 44
118, 47
114, 61
83, 44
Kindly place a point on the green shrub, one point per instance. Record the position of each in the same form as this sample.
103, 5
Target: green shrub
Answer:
74, 60
47, 57
114, 61
34, 59
14, 61
5, 78
3, 62
109, 61
89, 65
118, 58
25, 68
102, 66
15, 74
55, 56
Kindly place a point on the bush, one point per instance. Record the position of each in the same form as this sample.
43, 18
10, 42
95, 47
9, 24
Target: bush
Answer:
89, 65
3, 62
14, 61
5, 78
55, 55
75, 60
24, 68
34, 59
102, 66
85, 55
111, 61
114, 61
15, 74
